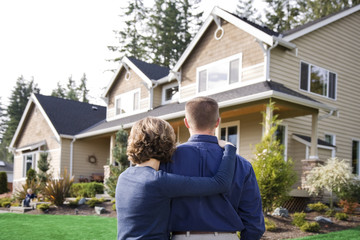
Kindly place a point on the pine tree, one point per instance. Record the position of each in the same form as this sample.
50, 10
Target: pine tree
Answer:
59, 91
18, 101
275, 176
71, 90
44, 166
246, 9
83, 90
282, 15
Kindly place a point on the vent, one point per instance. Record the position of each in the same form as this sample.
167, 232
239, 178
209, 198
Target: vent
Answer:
94, 108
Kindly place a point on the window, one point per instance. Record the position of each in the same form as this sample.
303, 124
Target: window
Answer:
127, 102
355, 158
170, 93
329, 138
281, 136
28, 162
230, 132
219, 74
317, 80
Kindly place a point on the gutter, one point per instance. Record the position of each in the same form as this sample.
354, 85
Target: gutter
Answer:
71, 155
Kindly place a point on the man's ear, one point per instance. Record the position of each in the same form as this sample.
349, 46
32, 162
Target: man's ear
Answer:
186, 123
217, 122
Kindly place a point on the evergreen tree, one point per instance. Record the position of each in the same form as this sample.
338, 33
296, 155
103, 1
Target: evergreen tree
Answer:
275, 176
18, 101
83, 90
72, 90
246, 9
59, 91
282, 15
44, 166
3, 150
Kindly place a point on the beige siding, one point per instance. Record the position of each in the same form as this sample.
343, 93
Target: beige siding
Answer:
188, 92
100, 148
157, 96
324, 154
209, 50
296, 153
335, 48
251, 73
65, 156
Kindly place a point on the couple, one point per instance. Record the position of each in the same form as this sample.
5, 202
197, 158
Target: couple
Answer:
219, 197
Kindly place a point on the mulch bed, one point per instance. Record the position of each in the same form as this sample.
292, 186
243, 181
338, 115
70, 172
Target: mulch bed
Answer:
285, 230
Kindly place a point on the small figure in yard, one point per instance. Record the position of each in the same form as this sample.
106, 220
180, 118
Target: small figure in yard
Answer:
30, 195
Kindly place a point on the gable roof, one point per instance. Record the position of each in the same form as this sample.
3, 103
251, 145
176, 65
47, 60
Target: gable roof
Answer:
261, 33
148, 72
316, 24
253, 92
65, 117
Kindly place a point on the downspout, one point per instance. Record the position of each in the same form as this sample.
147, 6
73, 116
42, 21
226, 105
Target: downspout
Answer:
326, 115
267, 57
71, 155
155, 84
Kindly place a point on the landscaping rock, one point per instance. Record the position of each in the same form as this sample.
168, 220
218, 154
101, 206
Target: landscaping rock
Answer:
283, 212
321, 219
100, 210
82, 201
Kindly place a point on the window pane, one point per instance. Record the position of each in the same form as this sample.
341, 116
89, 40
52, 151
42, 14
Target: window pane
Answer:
171, 93
136, 101
332, 85
355, 157
202, 80
304, 76
217, 76
234, 71
223, 134
318, 82
232, 135
118, 106
280, 134
329, 138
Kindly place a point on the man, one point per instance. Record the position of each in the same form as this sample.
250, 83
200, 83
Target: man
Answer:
218, 216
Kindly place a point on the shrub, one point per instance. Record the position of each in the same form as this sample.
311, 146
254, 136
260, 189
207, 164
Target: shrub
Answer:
6, 203
341, 216
350, 191
114, 207
330, 213
86, 189
43, 206
318, 207
94, 201
348, 207
3, 183
270, 225
4, 200
31, 176
21, 193
310, 227
57, 190
299, 219
75, 202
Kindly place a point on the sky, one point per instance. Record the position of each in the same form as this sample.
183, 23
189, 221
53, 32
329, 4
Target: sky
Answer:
49, 41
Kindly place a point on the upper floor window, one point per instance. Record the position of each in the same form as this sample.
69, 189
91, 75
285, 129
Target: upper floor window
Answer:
170, 93
219, 74
317, 80
127, 102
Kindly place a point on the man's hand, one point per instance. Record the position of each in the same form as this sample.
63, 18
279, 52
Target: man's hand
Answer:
222, 143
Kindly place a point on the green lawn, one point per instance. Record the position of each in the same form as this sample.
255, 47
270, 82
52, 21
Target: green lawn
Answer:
350, 234
15, 226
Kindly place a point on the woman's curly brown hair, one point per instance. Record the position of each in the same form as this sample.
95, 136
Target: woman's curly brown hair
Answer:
151, 138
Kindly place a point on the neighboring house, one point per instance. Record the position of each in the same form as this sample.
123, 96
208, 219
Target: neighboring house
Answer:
49, 124
310, 72
8, 168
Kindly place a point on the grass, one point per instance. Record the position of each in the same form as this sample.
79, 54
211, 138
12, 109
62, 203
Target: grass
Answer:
350, 234
40, 227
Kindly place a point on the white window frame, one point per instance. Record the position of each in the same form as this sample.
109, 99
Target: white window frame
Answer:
309, 81
358, 154
332, 143
164, 88
227, 125
33, 162
126, 95
208, 66
285, 139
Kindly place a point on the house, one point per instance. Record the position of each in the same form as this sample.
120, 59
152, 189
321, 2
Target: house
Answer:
8, 169
309, 72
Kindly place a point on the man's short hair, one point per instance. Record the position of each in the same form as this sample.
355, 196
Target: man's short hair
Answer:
202, 113
151, 137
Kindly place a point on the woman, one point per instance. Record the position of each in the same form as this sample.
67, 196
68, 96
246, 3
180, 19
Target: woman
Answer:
143, 193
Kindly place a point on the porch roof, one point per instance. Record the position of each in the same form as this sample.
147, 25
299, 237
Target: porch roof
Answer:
307, 140
241, 95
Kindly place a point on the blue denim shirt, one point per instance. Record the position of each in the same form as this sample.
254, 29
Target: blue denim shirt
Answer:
238, 210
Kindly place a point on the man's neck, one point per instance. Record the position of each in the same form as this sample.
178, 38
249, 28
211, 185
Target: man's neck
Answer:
209, 132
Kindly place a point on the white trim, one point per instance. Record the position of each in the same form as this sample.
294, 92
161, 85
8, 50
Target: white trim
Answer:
124, 115
286, 126
163, 92
31, 147
322, 23
127, 94
231, 124
37, 104
308, 144
34, 160
333, 153
118, 70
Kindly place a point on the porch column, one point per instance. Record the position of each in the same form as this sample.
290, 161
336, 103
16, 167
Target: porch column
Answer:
314, 137
267, 124
112, 145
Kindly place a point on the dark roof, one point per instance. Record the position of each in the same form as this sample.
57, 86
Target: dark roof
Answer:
71, 117
306, 25
219, 97
264, 28
7, 168
308, 139
152, 71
